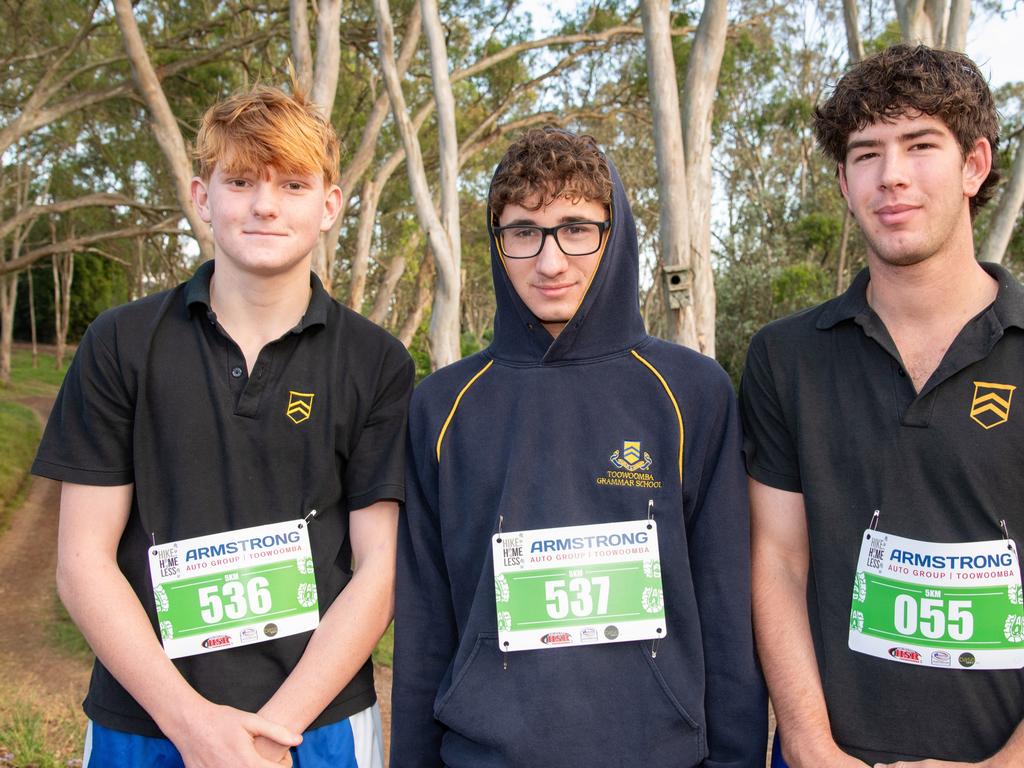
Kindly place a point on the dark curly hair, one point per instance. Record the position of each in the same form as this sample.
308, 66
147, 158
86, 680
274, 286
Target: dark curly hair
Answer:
908, 80
550, 163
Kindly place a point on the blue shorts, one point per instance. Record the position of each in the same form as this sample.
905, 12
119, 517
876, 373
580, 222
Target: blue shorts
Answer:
777, 760
352, 743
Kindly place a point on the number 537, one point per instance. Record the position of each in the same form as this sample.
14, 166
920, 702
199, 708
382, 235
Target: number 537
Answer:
576, 597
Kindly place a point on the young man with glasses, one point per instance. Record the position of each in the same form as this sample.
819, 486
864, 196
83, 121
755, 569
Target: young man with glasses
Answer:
573, 579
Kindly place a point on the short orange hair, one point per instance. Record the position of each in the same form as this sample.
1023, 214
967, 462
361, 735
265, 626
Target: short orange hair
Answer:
267, 127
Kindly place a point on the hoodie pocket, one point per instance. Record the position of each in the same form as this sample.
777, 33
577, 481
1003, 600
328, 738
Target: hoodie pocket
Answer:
604, 705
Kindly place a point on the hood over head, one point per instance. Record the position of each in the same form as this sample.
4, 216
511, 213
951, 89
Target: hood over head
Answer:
608, 319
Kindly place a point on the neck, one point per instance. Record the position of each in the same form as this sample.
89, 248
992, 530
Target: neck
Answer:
948, 288
257, 309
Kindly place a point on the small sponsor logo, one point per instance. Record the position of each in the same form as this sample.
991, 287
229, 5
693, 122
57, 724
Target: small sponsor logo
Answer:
940, 659
217, 641
270, 630
611, 632
249, 635
556, 638
588, 635
967, 659
905, 654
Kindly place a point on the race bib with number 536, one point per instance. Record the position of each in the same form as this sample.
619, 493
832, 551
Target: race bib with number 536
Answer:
234, 588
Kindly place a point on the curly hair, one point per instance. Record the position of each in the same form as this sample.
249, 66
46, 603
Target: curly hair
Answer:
908, 80
266, 127
548, 163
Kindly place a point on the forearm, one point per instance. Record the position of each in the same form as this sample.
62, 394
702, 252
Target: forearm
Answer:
337, 650
351, 626
107, 611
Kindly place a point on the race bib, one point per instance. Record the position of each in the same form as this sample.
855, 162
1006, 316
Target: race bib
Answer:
947, 606
234, 588
578, 585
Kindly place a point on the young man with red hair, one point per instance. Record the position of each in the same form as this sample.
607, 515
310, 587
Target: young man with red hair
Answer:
227, 449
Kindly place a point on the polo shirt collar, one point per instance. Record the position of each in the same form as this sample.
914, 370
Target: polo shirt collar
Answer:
197, 292
853, 304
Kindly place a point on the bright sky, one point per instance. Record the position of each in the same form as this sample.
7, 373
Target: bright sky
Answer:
994, 43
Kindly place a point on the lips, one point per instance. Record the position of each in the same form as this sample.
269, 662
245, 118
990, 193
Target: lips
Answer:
896, 213
554, 290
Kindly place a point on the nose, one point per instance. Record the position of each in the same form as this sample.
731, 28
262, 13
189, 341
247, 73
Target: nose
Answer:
551, 261
264, 200
893, 170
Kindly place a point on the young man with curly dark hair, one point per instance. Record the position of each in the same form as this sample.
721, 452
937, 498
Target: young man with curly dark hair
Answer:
573, 578
883, 445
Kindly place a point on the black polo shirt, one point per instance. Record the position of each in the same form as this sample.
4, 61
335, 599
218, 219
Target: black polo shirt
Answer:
829, 412
158, 395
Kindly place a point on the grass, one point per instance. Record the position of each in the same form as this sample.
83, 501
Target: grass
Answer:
40, 381
384, 653
21, 431
33, 738
19, 426
65, 635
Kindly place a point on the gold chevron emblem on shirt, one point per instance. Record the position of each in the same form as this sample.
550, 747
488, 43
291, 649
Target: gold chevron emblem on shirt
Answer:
991, 404
300, 406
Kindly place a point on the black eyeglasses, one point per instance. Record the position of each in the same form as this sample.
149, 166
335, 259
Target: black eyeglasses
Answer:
575, 238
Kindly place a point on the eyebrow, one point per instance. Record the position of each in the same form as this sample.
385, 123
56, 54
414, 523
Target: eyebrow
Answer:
902, 138
532, 223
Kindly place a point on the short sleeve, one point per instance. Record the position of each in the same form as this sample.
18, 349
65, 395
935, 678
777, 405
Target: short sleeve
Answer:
768, 446
88, 438
376, 468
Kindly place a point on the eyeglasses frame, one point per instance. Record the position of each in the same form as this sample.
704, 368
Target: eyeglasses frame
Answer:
602, 226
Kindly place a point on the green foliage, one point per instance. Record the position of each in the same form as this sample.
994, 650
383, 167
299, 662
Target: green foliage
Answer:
21, 431
799, 286
42, 381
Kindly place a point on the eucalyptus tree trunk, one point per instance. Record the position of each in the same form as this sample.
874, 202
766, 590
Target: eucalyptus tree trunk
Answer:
445, 333
670, 160
363, 156
854, 45
319, 80
698, 110
63, 275
8, 297
444, 327
163, 123
683, 155
937, 23
1007, 210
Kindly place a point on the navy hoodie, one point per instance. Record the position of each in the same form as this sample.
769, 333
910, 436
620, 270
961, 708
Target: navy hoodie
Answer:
526, 430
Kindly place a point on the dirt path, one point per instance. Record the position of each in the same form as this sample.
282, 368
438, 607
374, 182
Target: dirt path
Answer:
31, 668
28, 557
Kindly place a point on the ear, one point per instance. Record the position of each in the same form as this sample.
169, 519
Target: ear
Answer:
844, 187
977, 165
201, 198
332, 207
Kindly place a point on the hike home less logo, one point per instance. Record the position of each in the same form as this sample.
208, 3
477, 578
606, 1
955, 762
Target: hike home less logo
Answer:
300, 406
630, 464
990, 406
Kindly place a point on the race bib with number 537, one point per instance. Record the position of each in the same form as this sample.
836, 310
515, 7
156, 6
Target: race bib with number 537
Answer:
578, 585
